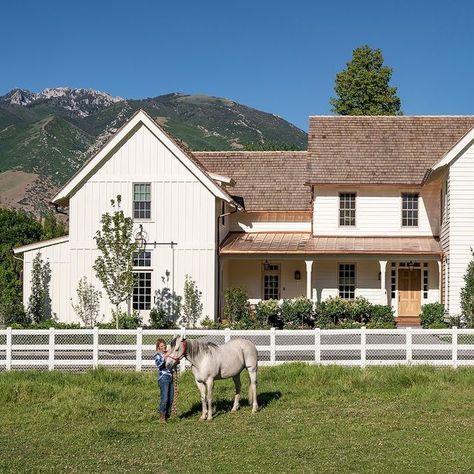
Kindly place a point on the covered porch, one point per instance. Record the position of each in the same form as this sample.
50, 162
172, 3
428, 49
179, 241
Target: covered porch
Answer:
403, 272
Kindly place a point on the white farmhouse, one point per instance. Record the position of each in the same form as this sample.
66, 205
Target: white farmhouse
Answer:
380, 207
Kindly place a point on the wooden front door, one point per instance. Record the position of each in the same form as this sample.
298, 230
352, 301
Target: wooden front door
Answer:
409, 292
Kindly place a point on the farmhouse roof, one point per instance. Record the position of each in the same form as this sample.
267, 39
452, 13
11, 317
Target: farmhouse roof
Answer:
304, 243
380, 149
264, 180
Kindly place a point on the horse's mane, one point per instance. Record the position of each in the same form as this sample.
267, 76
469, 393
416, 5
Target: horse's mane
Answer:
196, 348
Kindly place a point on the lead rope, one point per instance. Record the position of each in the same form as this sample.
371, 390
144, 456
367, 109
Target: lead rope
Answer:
174, 410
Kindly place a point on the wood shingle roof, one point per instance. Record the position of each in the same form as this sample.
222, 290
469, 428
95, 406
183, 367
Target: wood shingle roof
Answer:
381, 149
265, 180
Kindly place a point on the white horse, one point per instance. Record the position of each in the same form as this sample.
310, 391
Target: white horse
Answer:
212, 362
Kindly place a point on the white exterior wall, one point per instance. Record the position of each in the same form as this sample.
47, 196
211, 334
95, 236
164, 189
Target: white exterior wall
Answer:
58, 257
182, 210
461, 226
378, 211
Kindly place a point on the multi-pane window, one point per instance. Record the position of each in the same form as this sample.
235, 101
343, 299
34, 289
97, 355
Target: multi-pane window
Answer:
393, 283
142, 291
425, 281
347, 281
347, 209
142, 259
271, 282
141, 200
409, 209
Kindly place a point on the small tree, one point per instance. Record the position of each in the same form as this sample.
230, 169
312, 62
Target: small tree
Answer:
192, 307
39, 303
114, 267
236, 305
467, 294
167, 308
363, 87
88, 303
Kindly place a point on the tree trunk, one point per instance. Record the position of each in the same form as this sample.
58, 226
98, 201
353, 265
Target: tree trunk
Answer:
117, 315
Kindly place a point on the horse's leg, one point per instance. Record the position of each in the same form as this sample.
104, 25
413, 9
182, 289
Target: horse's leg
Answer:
238, 386
209, 386
253, 388
202, 390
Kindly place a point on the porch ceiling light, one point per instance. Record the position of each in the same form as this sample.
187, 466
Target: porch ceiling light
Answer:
411, 265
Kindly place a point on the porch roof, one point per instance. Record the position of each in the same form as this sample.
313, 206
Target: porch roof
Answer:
237, 243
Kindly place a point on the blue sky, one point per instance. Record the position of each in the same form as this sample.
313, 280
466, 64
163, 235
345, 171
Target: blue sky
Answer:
277, 56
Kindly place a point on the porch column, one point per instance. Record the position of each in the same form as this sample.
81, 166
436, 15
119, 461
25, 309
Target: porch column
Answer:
383, 290
440, 283
309, 268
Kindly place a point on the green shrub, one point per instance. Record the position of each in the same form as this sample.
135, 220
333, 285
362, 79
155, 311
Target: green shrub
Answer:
432, 313
380, 325
236, 305
383, 314
48, 323
359, 310
267, 313
125, 321
297, 312
332, 311
438, 325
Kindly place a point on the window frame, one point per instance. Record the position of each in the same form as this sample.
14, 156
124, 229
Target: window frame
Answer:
346, 193
403, 195
272, 272
149, 210
339, 280
145, 304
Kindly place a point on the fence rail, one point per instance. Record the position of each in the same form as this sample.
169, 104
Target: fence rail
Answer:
80, 349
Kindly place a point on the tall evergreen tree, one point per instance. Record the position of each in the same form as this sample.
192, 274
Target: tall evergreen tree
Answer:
39, 303
363, 87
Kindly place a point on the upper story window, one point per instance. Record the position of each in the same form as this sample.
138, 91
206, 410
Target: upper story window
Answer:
410, 209
141, 200
347, 209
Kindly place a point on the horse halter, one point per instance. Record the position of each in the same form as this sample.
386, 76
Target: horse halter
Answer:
184, 346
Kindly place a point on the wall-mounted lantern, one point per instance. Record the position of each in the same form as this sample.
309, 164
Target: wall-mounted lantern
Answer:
297, 275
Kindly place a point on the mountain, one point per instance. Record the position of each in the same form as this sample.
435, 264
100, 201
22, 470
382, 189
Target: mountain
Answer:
45, 137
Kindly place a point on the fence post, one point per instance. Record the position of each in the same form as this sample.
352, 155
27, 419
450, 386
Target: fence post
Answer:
95, 348
363, 346
51, 349
454, 340
139, 353
409, 346
182, 364
317, 346
8, 350
226, 334
272, 346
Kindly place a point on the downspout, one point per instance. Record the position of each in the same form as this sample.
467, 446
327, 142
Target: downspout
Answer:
219, 259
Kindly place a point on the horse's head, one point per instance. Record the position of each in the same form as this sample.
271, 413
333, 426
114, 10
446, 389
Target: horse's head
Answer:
175, 352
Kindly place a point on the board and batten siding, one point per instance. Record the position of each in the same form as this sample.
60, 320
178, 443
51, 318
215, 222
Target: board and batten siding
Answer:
378, 211
183, 211
461, 225
444, 238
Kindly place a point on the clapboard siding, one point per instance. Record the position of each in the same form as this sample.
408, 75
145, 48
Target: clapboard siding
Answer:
461, 224
378, 211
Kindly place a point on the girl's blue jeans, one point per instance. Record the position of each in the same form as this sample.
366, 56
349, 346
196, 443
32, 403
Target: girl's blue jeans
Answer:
166, 394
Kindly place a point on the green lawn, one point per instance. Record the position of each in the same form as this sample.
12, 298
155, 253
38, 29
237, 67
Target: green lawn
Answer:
313, 419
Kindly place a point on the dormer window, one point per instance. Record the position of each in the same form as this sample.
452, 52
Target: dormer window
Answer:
409, 209
142, 201
347, 209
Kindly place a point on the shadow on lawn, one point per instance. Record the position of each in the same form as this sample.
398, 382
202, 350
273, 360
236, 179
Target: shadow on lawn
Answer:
223, 406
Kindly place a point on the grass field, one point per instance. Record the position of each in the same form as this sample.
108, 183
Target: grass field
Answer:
313, 419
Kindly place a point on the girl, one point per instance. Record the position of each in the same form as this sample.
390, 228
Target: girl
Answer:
165, 381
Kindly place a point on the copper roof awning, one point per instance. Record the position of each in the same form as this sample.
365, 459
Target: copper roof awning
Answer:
238, 243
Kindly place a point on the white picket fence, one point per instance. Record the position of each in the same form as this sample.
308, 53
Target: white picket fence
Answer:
79, 349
